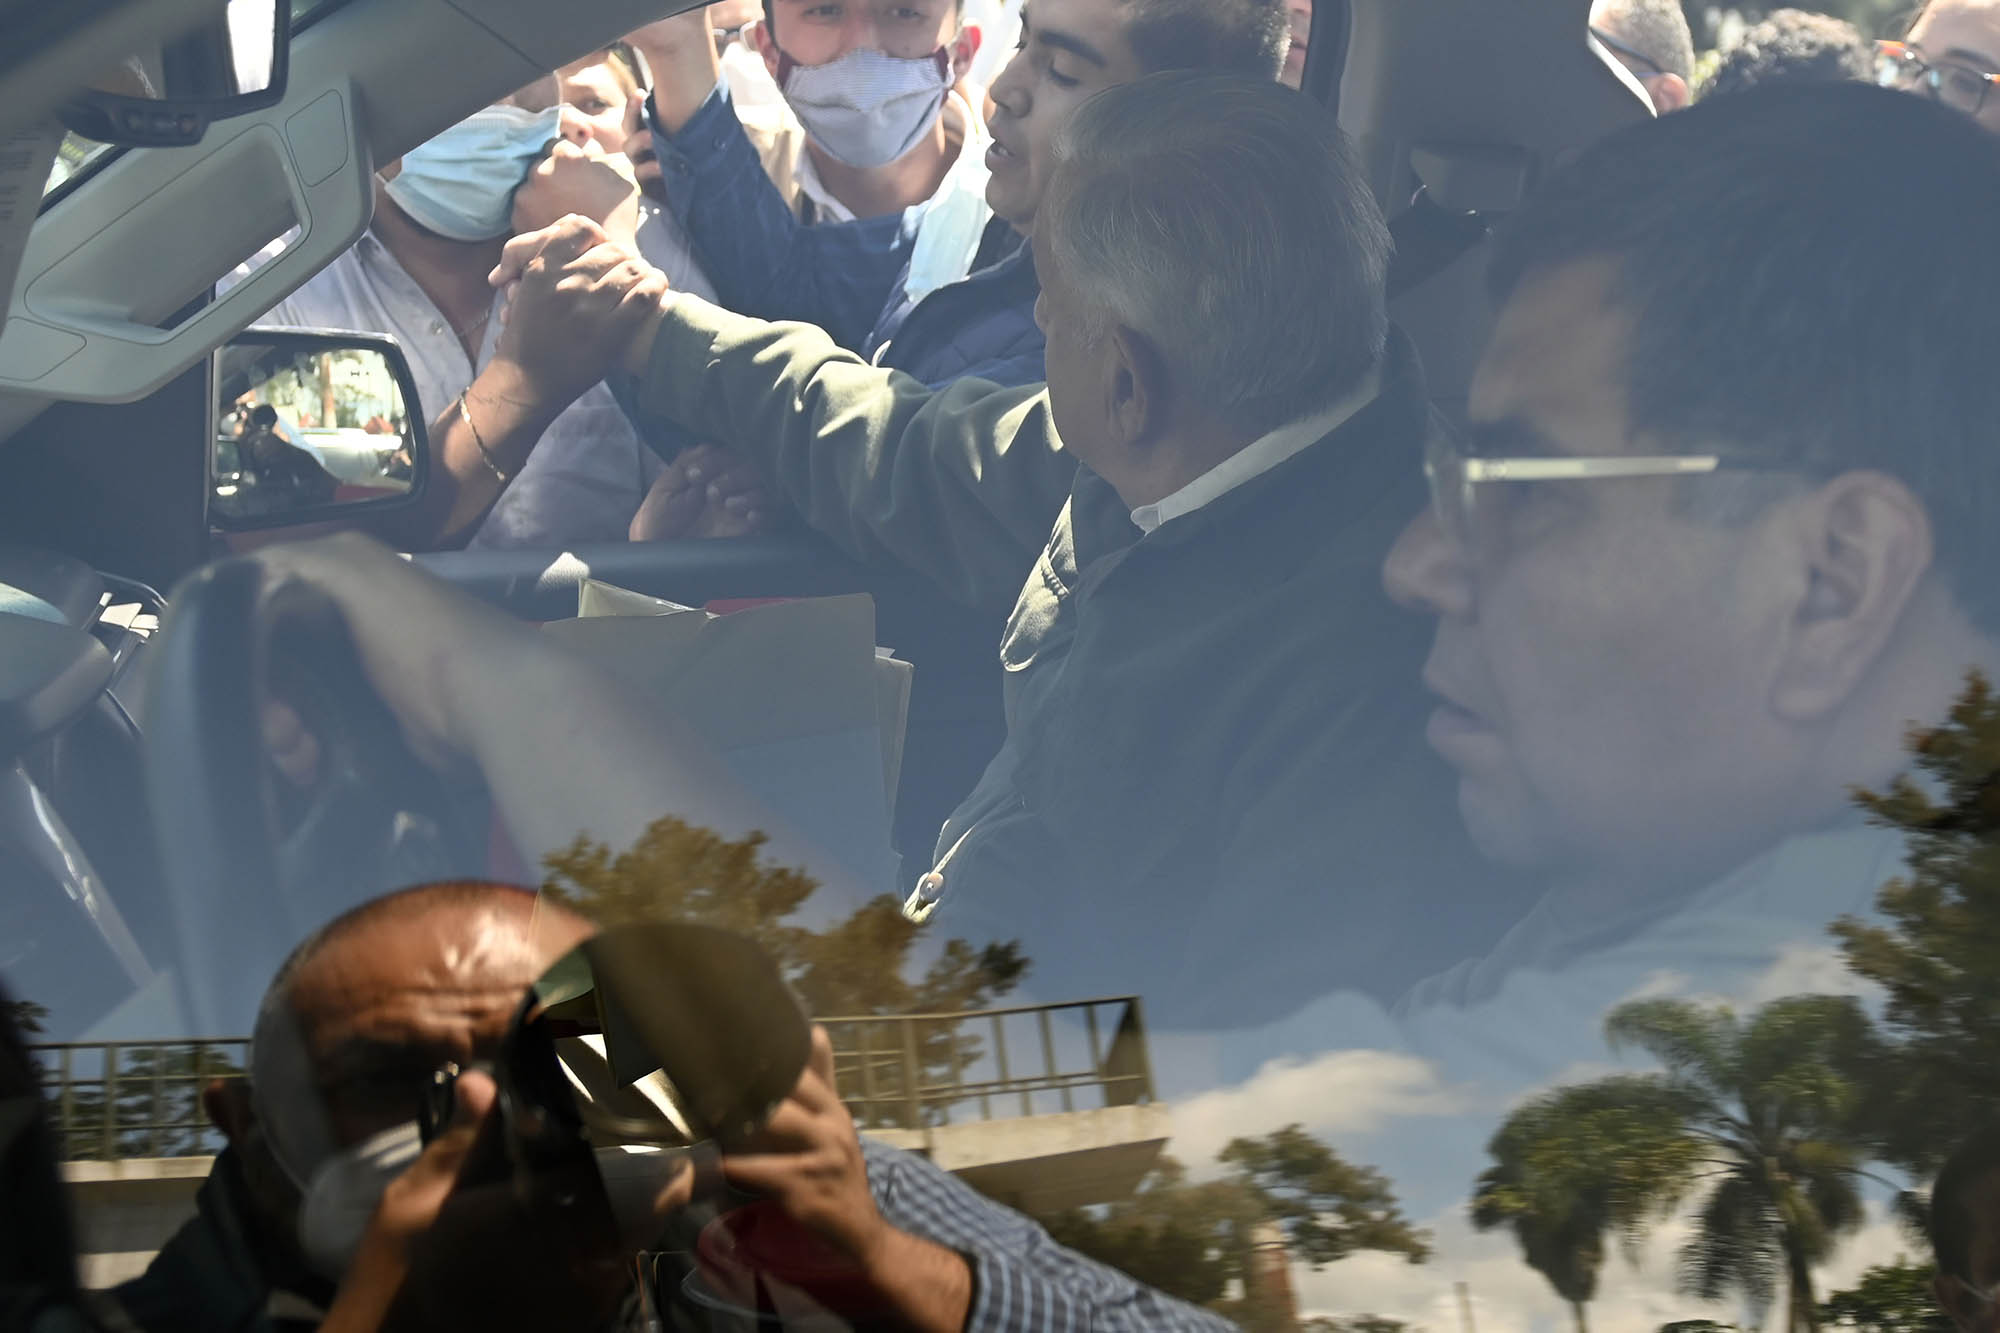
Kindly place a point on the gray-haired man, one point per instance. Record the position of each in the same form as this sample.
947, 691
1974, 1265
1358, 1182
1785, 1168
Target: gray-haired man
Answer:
1211, 703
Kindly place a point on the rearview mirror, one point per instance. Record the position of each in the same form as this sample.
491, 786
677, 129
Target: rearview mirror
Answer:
311, 426
166, 97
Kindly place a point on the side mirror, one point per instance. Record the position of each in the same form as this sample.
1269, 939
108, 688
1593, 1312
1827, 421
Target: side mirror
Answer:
311, 426
166, 97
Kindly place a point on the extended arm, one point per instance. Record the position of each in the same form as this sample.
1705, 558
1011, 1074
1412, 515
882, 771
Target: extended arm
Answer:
762, 260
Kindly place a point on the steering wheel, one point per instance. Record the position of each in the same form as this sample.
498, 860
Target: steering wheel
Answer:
282, 786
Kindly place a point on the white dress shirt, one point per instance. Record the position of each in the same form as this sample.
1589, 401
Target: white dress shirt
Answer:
1254, 459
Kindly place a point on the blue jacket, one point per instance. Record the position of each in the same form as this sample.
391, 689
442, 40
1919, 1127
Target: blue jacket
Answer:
846, 277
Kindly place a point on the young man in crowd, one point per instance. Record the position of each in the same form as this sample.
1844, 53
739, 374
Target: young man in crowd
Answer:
310, 1207
1651, 39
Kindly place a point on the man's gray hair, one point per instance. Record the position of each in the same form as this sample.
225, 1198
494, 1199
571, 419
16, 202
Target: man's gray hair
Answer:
1656, 29
1226, 220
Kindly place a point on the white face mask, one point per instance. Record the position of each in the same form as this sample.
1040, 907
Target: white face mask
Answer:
344, 1193
347, 1188
460, 184
867, 108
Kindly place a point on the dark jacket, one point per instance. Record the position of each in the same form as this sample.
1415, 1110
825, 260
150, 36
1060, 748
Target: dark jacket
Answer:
220, 1273
1214, 768
846, 277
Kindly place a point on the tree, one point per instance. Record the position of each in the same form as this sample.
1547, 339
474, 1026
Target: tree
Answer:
1891, 1298
1774, 1108
1327, 1207
1763, 1119
855, 967
156, 1108
1196, 1240
1576, 1165
1177, 1237
26, 1016
1933, 955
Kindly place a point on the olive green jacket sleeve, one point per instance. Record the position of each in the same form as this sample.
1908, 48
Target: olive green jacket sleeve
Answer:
961, 484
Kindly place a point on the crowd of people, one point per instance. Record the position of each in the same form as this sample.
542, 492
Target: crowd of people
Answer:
1361, 743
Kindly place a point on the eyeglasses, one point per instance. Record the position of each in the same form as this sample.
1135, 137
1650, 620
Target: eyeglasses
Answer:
1610, 43
1987, 1296
1481, 508
1958, 86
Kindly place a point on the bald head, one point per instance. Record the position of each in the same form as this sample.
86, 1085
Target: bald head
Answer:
365, 1009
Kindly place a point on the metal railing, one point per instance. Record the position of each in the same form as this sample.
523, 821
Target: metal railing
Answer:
915, 1071
112, 1100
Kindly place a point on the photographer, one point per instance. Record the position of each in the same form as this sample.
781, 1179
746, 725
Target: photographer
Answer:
323, 1213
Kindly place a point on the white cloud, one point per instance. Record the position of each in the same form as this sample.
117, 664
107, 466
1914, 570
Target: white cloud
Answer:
1338, 1096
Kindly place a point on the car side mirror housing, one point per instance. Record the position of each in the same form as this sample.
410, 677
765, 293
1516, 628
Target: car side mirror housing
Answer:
312, 425
167, 97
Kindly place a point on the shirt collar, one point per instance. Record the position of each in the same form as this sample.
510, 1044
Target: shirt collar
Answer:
1256, 458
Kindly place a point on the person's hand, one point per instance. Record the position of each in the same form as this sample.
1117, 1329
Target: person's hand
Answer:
294, 751
410, 1207
404, 621
808, 1159
583, 180
707, 492
680, 53
579, 300
442, 1253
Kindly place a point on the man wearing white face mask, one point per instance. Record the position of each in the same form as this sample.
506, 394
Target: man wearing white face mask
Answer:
529, 449
887, 168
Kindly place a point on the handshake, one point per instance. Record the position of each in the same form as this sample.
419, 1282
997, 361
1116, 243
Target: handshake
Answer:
581, 303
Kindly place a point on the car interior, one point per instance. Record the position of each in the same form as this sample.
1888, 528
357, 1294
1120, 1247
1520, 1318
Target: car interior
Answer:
133, 801
108, 358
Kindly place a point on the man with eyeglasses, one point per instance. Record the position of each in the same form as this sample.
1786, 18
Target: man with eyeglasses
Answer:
1651, 39
1965, 1233
1714, 537
1951, 55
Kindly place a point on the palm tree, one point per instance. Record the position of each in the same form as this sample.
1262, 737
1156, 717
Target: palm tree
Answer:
1770, 1113
1573, 1166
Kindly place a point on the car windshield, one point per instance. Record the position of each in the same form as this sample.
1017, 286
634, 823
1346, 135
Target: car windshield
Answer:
1313, 666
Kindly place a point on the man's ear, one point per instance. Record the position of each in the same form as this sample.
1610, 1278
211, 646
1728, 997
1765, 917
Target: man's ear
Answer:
964, 49
1669, 93
1866, 543
767, 46
226, 1103
1135, 387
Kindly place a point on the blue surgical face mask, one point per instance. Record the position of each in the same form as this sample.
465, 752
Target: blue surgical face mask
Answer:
461, 183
